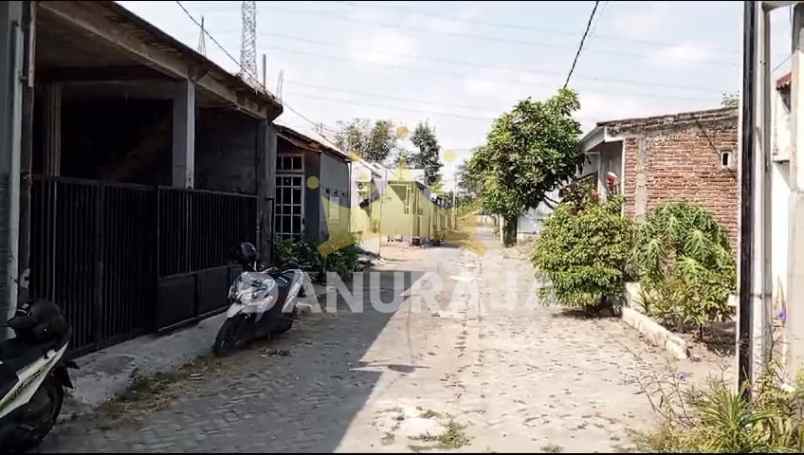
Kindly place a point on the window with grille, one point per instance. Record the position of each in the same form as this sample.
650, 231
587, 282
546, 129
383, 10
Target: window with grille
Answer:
289, 163
289, 219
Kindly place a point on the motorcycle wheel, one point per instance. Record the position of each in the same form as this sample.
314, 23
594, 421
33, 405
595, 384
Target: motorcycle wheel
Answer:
286, 323
229, 338
37, 418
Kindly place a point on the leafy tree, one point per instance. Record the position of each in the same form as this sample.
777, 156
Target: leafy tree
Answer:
583, 250
686, 266
730, 99
528, 153
469, 184
372, 142
424, 139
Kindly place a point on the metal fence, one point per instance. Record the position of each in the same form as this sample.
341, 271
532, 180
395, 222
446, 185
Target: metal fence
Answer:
104, 251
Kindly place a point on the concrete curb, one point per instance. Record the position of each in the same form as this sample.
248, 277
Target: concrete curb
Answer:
655, 333
650, 329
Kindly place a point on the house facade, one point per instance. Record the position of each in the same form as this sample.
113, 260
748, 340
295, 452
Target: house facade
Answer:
369, 183
134, 164
690, 156
313, 188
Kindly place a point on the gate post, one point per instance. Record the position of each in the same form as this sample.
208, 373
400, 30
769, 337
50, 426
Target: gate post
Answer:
11, 52
266, 187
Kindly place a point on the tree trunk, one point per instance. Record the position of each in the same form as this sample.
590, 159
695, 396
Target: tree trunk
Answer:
509, 231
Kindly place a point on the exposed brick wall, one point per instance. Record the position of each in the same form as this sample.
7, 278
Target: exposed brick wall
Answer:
677, 158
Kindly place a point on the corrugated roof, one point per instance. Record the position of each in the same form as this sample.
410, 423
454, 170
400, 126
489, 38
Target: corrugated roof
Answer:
305, 141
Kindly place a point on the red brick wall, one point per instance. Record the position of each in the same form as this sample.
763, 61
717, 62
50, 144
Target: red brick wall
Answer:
681, 162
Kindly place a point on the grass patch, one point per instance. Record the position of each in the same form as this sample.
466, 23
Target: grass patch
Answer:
453, 437
552, 448
149, 394
388, 438
430, 414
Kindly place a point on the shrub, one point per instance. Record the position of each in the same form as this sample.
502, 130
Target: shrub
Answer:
583, 250
338, 255
686, 266
299, 252
718, 419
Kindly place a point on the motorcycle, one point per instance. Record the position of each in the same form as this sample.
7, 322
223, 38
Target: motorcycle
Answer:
262, 303
33, 375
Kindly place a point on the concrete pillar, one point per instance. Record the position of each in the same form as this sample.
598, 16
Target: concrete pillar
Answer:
51, 125
794, 330
11, 67
266, 186
184, 135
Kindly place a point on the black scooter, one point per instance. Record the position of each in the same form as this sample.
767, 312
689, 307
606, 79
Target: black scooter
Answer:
33, 375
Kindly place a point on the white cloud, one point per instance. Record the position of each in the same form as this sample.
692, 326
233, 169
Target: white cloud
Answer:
383, 47
597, 107
481, 87
461, 23
682, 54
640, 20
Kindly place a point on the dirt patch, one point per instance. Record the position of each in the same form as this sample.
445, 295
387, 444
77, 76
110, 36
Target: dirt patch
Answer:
149, 394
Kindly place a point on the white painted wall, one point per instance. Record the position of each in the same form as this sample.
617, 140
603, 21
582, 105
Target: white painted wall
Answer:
780, 197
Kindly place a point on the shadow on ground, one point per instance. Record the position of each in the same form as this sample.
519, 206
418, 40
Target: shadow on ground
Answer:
299, 392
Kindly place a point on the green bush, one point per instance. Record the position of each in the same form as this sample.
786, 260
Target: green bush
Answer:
718, 419
300, 252
686, 266
583, 250
339, 255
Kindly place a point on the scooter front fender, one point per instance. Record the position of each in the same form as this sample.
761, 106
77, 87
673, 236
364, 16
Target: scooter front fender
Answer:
234, 310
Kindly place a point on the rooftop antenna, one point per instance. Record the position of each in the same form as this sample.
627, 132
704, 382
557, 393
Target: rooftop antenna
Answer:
248, 43
202, 43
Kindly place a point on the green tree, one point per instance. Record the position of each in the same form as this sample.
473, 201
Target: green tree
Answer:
424, 138
469, 185
372, 142
730, 99
528, 153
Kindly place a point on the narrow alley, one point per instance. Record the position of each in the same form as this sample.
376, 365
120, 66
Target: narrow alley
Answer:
464, 376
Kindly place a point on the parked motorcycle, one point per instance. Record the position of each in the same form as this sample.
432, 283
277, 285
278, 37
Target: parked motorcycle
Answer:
262, 303
33, 374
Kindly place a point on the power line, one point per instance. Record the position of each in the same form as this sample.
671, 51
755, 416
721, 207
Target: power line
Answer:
580, 46
386, 96
339, 16
498, 67
212, 38
236, 62
387, 6
451, 76
397, 108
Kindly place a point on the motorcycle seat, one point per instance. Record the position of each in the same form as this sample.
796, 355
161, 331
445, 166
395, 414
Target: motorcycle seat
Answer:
8, 378
17, 354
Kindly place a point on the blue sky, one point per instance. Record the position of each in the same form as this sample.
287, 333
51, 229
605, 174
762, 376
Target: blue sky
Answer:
458, 65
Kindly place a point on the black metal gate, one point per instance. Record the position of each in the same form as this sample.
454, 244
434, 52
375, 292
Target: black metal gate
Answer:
111, 254
193, 271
